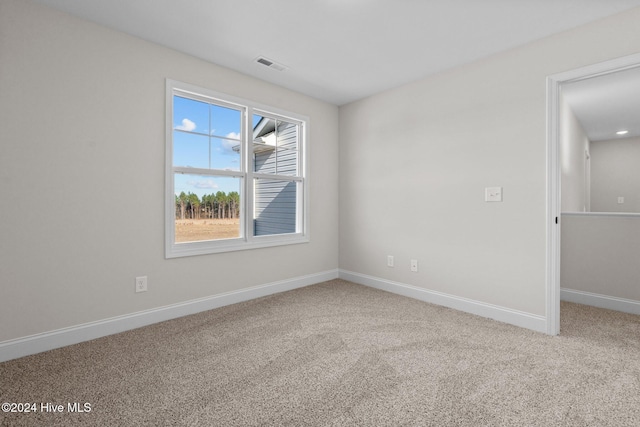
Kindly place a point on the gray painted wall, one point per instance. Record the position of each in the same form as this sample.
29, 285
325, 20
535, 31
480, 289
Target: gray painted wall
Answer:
83, 115
615, 171
82, 161
573, 144
414, 162
600, 254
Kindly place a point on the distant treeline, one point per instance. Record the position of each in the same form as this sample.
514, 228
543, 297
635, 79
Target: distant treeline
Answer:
218, 205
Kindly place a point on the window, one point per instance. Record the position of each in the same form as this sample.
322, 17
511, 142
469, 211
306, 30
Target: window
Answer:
235, 173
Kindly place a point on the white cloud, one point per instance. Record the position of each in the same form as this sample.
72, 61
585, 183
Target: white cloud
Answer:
227, 145
206, 184
187, 125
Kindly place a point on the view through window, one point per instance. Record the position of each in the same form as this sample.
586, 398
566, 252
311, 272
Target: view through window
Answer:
236, 174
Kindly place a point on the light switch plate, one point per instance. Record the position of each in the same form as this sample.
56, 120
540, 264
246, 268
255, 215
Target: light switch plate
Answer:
493, 194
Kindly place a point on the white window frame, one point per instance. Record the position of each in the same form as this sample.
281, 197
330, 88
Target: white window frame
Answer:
246, 175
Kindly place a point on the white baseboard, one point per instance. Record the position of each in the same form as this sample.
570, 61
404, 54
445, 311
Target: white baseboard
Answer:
19, 347
502, 314
601, 301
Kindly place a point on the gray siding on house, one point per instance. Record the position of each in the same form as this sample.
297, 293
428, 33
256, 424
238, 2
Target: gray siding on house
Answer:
275, 207
275, 200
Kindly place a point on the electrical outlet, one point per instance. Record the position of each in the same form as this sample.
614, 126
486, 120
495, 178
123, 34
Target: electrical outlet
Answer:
141, 284
414, 265
390, 261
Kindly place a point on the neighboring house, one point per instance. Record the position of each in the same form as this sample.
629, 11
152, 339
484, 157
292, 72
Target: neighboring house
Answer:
275, 152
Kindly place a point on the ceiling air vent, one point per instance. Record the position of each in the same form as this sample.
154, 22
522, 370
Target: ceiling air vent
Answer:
269, 63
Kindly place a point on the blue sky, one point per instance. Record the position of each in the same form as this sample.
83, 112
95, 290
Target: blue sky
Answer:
203, 137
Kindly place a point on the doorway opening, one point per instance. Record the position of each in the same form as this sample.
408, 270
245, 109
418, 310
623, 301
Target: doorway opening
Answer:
555, 84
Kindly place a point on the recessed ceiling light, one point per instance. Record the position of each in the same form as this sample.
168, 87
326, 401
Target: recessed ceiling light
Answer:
622, 132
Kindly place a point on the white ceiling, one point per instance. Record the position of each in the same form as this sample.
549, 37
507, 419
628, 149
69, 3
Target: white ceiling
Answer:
606, 104
342, 50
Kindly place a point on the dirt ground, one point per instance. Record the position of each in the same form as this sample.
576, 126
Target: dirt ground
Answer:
192, 230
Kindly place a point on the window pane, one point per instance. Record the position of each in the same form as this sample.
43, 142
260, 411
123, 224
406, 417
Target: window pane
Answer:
264, 159
287, 162
190, 150
256, 120
275, 207
225, 154
225, 122
264, 144
206, 207
287, 135
190, 115
275, 146
287, 143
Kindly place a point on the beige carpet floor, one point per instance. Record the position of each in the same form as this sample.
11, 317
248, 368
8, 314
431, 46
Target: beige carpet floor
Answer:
340, 354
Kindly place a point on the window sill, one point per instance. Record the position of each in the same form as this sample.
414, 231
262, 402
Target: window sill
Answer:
178, 250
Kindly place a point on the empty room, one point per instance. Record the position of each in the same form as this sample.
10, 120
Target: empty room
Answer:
331, 212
